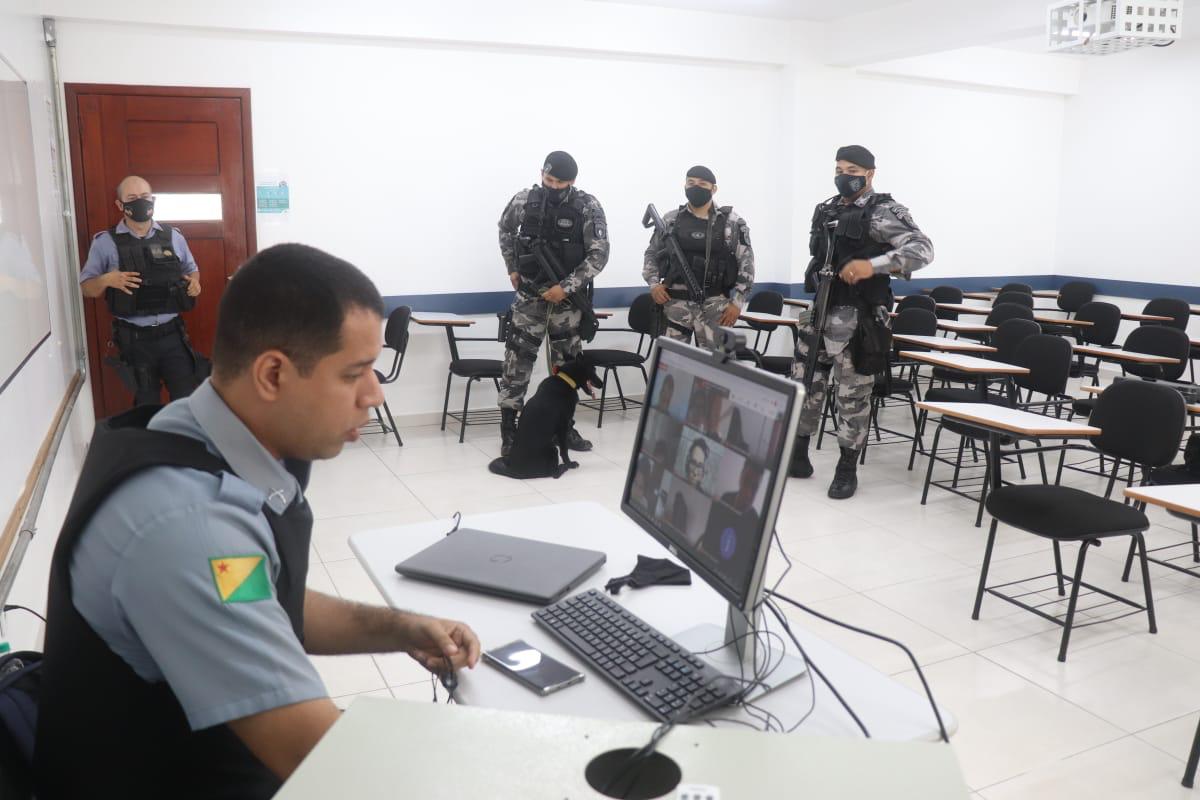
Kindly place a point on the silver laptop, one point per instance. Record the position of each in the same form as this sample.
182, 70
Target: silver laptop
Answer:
509, 566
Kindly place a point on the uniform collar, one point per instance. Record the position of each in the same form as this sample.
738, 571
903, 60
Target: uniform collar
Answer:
241, 450
570, 381
123, 228
866, 198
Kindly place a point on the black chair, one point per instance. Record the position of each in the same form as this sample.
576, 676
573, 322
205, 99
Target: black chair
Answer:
1023, 288
893, 385
764, 302
1020, 298
1171, 476
1048, 359
1106, 321
1142, 422
645, 321
1159, 340
947, 294
395, 338
1179, 311
474, 369
1071, 297
1000, 314
1007, 336
921, 301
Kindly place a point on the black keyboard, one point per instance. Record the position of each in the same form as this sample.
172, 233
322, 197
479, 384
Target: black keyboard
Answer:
663, 678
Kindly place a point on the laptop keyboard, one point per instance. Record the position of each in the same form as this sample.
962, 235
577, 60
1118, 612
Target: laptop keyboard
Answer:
663, 678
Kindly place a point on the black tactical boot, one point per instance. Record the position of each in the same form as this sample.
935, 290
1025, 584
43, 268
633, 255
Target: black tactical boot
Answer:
801, 467
845, 477
577, 442
508, 430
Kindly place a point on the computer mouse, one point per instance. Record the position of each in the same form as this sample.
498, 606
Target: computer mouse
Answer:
449, 680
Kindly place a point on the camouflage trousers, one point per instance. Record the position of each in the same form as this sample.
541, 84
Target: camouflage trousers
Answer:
533, 319
853, 396
685, 318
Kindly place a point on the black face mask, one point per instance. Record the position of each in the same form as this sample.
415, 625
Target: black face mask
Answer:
556, 196
697, 196
139, 210
849, 185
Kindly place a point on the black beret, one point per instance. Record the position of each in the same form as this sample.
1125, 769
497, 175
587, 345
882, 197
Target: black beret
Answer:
560, 165
856, 154
703, 173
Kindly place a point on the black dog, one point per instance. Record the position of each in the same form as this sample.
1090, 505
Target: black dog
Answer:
542, 430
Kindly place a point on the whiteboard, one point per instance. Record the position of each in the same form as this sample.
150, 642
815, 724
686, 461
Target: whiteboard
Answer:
24, 306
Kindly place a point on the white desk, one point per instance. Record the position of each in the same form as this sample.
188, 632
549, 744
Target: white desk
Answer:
1122, 355
943, 344
767, 319
386, 749
441, 319
965, 363
800, 302
965, 309
1182, 499
954, 326
1192, 408
890, 710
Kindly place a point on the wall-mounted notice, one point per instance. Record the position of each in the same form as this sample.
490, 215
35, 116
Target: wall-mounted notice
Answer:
273, 197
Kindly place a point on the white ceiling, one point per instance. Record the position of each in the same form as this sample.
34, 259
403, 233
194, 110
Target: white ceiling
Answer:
811, 10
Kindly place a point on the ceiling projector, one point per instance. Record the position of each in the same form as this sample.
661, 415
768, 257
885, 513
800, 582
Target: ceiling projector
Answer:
1103, 27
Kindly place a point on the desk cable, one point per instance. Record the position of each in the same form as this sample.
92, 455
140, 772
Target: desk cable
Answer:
775, 595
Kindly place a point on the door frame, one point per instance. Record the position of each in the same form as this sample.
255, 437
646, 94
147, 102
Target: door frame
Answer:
72, 92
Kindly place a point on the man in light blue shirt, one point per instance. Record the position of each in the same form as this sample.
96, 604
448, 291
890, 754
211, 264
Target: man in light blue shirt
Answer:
146, 273
179, 621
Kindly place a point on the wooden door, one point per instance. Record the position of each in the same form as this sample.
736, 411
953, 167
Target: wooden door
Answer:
184, 141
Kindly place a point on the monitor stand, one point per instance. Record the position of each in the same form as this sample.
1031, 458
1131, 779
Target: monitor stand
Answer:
731, 651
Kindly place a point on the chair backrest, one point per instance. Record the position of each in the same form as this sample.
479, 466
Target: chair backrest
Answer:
1105, 319
765, 302
1074, 294
1020, 298
1024, 288
395, 333
1140, 422
1178, 310
923, 301
915, 322
1008, 336
1159, 340
1048, 359
642, 317
946, 294
1005, 311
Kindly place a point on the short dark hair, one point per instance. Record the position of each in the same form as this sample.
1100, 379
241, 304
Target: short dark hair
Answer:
290, 297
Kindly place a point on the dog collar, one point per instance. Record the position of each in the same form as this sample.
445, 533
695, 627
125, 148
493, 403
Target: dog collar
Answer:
570, 381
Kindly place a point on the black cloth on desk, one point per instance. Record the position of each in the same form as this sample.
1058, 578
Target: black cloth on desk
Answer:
652, 572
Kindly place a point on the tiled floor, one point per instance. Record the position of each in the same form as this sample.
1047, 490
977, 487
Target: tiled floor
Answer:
1115, 721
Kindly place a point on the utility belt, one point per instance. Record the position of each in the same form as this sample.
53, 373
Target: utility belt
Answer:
144, 333
711, 291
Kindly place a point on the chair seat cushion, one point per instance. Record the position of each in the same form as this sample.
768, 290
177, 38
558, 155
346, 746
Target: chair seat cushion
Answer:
938, 395
1084, 406
1168, 476
966, 429
477, 367
1060, 512
1057, 330
898, 386
614, 358
780, 365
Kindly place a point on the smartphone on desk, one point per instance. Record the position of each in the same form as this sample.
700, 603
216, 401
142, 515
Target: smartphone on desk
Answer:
533, 668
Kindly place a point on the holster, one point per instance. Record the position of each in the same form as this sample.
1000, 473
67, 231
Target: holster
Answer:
871, 344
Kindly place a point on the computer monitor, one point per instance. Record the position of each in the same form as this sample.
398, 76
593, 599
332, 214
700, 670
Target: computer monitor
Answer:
708, 470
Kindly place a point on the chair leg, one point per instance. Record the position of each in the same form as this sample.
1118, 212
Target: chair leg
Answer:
962, 443
603, 394
918, 444
1195, 545
983, 570
462, 429
1189, 774
446, 402
1129, 559
929, 472
1058, 568
1141, 543
1062, 456
1073, 601
983, 490
620, 391
392, 422
1042, 464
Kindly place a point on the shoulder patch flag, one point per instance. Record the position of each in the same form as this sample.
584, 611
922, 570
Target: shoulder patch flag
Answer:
241, 579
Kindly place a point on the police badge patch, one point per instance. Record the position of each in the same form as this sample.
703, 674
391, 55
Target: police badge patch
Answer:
901, 213
744, 235
600, 232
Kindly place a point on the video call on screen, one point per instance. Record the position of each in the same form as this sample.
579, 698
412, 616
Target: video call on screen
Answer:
702, 468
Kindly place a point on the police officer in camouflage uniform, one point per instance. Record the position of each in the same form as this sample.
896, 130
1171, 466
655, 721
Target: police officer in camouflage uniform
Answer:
716, 242
874, 238
571, 224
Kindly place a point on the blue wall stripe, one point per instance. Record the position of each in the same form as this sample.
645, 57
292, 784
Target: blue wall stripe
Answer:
621, 297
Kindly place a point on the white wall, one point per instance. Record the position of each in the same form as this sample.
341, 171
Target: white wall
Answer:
28, 405
1130, 166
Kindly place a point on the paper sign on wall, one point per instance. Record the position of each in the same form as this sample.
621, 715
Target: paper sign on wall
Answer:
272, 198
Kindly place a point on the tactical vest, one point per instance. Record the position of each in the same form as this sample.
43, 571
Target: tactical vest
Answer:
560, 226
163, 289
852, 240
713, 263
103, 730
